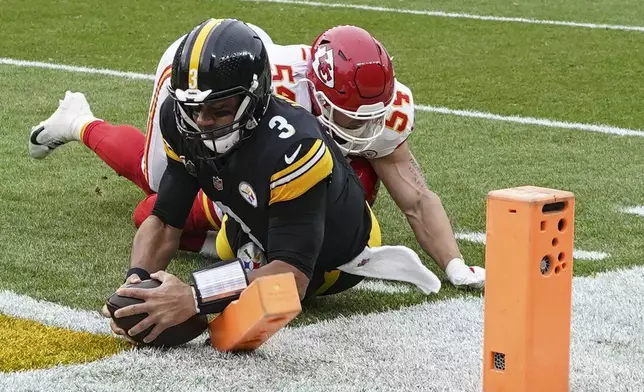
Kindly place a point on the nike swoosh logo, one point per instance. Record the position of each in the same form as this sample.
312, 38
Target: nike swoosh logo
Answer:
290, 159
34, 136
51, 145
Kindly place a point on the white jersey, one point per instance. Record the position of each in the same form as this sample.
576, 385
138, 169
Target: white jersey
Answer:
154, 160
399, 123
288, 67
289, 64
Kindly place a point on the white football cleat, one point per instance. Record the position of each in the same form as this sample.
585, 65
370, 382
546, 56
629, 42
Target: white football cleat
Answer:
61, 127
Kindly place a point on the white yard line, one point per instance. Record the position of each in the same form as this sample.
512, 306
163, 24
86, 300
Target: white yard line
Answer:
607, 129
49, 313
72, 68
457, 15
479, 238
544, 122
434, 346
637, 210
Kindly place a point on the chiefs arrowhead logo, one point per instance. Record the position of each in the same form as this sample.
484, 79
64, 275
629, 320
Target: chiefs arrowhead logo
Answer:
323, 66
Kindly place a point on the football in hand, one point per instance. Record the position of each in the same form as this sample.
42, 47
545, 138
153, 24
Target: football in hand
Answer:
173, 336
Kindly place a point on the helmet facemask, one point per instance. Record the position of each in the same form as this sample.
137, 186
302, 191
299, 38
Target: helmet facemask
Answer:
365, 125
353, 83
219, 139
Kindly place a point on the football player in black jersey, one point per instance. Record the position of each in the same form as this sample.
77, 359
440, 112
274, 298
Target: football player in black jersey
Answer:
266, 162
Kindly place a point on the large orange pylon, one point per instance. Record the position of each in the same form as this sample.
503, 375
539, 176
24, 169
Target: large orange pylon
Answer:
528, 260
265, 306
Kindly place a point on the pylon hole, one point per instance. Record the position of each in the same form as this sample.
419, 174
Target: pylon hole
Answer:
543, 225
553, 207
560, 256
513, 211
498, 361
562, 224
555, 241
564, 265
546, 265
557, 270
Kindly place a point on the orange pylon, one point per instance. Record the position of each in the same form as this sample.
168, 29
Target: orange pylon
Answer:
265, 306
528, 260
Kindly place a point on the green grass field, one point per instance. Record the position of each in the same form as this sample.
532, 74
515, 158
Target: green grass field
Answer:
66, 227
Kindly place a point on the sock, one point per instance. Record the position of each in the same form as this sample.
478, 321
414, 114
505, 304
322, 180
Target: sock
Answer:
120, 146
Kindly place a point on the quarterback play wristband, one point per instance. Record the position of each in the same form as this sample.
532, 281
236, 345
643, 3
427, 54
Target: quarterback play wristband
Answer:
218, 285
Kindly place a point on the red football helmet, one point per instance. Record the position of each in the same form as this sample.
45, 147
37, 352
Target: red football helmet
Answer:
353, 83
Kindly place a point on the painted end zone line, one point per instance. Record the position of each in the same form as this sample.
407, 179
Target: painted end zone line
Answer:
457, 15
52, 314
608, 129
435, 346
479, 238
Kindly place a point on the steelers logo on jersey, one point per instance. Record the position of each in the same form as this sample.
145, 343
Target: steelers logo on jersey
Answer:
247, 192
251, 256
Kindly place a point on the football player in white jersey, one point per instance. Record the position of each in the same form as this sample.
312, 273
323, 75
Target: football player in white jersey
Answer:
346, 78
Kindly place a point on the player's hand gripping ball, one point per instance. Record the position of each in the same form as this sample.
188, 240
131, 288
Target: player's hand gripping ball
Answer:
173, 336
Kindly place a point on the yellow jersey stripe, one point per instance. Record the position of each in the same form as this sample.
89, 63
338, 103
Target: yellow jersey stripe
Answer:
170, 152
290, 101
303, 182
299, 163
329, 280
319, 154
224, 250
375, 236
206, 208
197, 48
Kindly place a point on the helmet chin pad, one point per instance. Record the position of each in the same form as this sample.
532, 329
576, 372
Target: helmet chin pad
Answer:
223, 144
353, 141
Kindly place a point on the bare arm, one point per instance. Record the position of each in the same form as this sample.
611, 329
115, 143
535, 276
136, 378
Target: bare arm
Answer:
154, 245
157, 239
404, 180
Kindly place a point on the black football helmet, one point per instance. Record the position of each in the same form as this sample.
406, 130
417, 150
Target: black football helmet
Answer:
218, 60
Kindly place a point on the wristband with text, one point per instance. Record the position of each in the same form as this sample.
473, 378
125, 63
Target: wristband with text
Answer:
218, 285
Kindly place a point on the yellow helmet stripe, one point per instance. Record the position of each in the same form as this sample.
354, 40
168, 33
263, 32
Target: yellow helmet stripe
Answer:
197, 48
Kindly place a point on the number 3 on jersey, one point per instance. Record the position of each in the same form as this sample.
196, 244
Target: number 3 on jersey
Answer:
398, 120
281, 124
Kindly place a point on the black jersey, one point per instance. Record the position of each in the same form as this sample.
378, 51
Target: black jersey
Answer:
287, 185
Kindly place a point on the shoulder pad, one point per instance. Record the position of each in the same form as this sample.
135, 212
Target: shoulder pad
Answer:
399, 124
